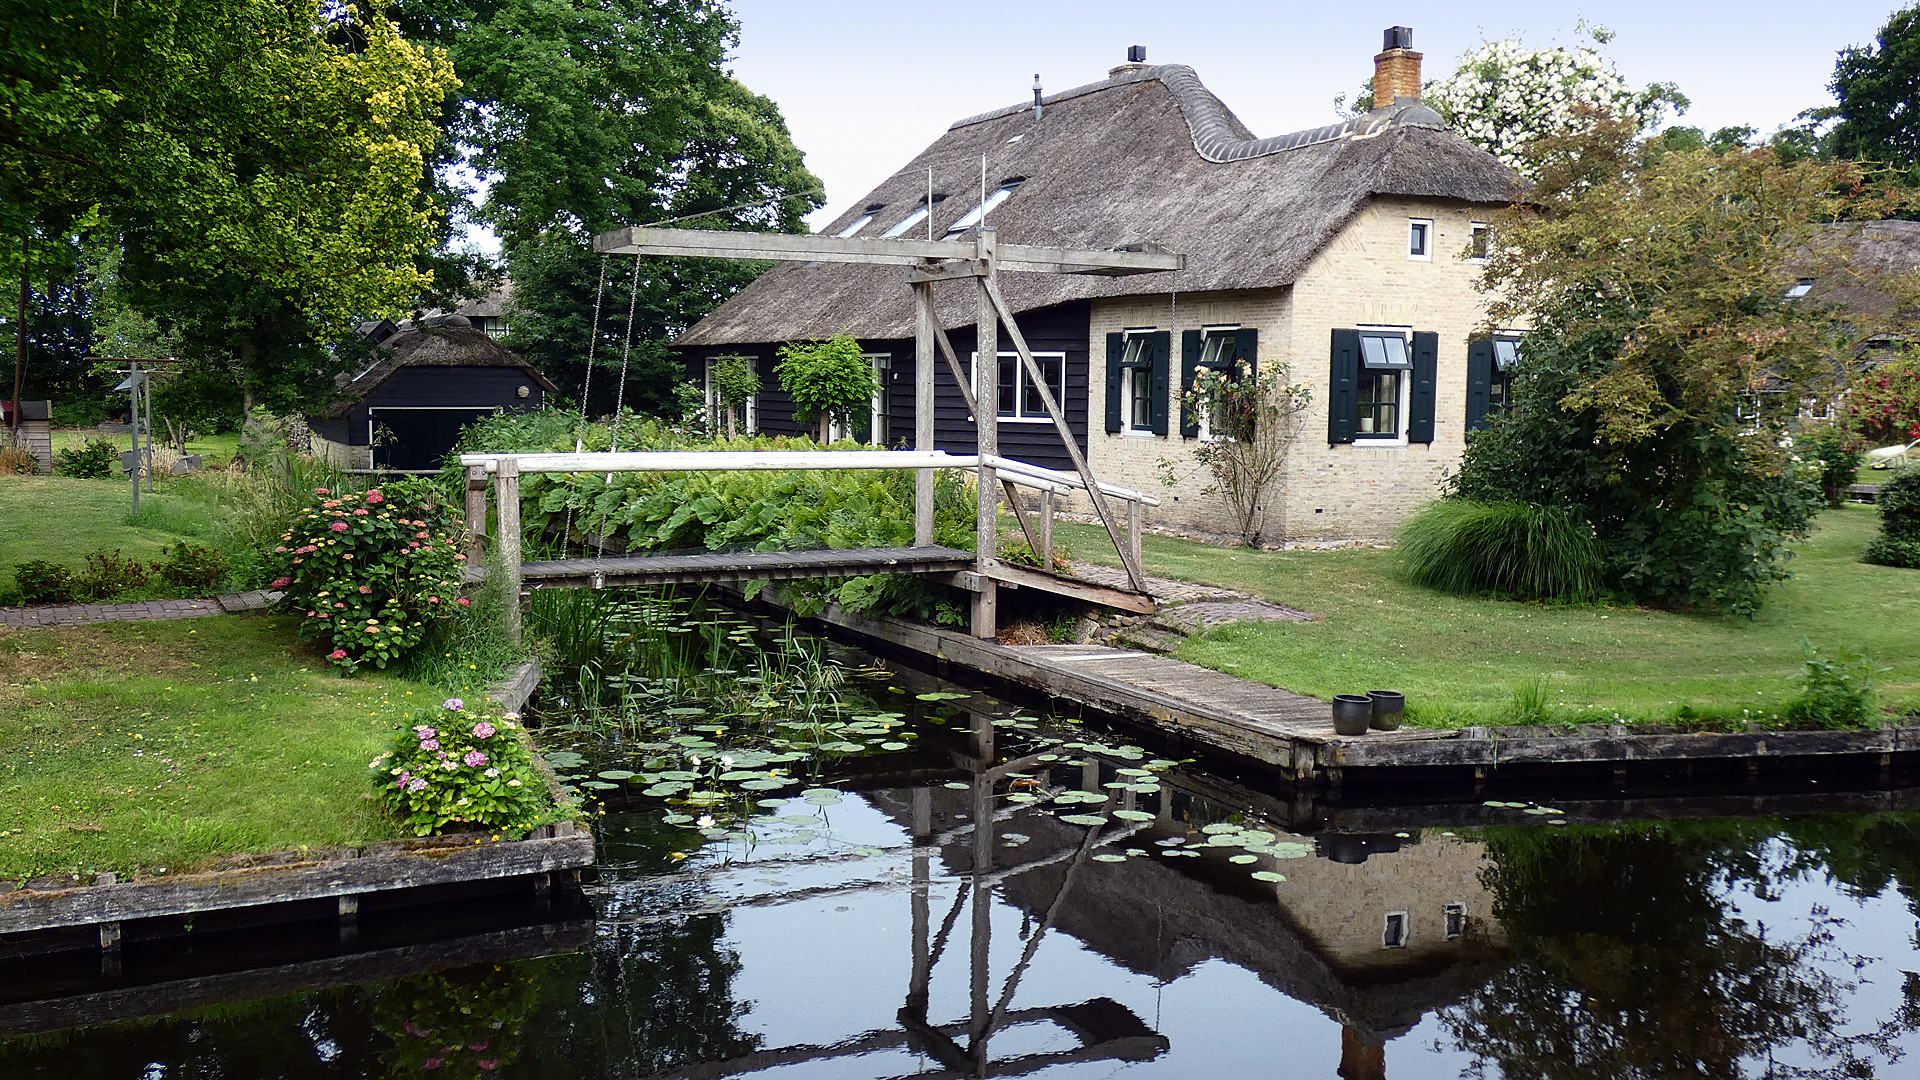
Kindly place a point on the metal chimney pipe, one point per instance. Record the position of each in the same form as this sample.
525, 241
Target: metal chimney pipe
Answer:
1036, 96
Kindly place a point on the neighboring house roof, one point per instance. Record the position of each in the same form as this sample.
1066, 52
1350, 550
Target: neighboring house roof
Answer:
1877, 249
1147, 156
453, 342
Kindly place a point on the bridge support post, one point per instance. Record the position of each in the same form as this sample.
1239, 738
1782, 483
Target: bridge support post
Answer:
476, 511
922, 410
986, 422
506, 499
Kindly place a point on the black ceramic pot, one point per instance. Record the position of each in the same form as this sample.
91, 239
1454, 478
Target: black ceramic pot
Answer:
1387, 707
1352, 713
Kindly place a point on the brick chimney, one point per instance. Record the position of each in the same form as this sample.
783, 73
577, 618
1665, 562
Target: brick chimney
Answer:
1396, 71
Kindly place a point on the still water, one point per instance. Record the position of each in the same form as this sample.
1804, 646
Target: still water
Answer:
1128, 916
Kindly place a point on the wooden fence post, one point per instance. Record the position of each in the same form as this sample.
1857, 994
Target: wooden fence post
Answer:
506, 499
476, 511
986, 422
1046, 529
923, 480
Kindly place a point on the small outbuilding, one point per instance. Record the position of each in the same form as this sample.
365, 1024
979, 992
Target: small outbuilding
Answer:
427, 382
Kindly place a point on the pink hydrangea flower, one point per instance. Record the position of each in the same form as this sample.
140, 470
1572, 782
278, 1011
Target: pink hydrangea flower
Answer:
430, 744
453, 703
337, 654
281, 583
463, 601
474, 759
417, 784
321, 491
375, 498
338, 526
362, 512
366, 590
422, 731
483, 730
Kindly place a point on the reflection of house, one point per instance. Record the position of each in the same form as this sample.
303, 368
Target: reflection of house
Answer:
425, 384
1343, 254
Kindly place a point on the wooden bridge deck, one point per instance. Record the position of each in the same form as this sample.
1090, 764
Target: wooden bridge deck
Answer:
612, 571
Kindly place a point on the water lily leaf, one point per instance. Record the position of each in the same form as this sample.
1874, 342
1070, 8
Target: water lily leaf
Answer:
1243, 858
658, 791
820, 791
1133, 815
565, 759
615, 774
1083, 819
842, 747
823, 800
1143, 789
764, 783
1049, 757
1223, 840
1170, 841
598, 785
679, 774
1133, 772
1219, 827
1108, 857
1291, 851
1268, 875
956, 785
940, 695
868, 852
685, 710
676, 819
1022, 797
734, 774
893, 746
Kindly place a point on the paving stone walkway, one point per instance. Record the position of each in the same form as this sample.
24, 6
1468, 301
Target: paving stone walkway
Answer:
137, 611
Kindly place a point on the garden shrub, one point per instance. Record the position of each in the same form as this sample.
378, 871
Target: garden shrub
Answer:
1883, 402
1835, 453
18, 461
1515, 549
94, 461
43, 582
111, 573
1835, 693
366, 572
458, 766
1899, 503
194, 568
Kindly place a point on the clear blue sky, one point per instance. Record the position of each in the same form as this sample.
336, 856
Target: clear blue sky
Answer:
865, 85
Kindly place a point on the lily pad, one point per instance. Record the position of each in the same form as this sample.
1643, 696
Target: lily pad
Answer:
1291, 851
1133, 815
1219, 827
823, 800
598, 785
565, 759
1267, 875
956, 785
1083, 819
940, 695
893, 746
765, 783
1106, 856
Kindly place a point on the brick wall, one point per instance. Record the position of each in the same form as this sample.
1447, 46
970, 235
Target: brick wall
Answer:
1362, 277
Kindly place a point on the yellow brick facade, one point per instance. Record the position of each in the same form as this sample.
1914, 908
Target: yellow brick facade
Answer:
1363, 277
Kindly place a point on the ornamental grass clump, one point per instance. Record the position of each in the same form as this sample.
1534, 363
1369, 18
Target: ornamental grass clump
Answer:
1514, 549
366, 572
460, 767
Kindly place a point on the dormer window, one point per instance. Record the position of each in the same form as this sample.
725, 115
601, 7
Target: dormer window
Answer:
861, 222
1420, 239
919, 215
1799, 288
978, 214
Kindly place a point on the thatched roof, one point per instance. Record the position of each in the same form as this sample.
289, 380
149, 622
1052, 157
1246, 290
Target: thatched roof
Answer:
1875, 249
454, 343
1146, 156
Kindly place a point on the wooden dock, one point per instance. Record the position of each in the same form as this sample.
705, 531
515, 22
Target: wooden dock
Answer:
1292, 735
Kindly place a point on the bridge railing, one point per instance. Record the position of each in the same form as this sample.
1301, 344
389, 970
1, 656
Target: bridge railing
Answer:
506, 470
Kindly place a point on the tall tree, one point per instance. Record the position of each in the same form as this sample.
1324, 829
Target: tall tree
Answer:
1876, 88
584, 117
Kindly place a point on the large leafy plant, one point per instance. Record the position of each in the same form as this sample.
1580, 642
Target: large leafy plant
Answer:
458, 766
367, 571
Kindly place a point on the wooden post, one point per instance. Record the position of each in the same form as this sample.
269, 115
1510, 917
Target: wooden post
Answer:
917, 985
986, 420
1046, 529
506, 500
476, 514
1133, 533
922, 410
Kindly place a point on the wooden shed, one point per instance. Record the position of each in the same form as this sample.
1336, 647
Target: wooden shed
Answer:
406, 411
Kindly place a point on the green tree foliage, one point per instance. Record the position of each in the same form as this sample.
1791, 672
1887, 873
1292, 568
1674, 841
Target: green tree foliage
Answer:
1875, 87
1883, 402
734, 382
1899, 503
1655, 288
584, 118
826, 379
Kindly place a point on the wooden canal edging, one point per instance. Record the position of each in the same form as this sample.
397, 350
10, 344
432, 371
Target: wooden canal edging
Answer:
342, 875
1278, 731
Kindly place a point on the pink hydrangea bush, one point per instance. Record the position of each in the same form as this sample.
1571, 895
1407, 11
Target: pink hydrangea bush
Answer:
368, 572
460, 767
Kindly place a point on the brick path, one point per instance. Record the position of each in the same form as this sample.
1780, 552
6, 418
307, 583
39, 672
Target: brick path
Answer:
138, 611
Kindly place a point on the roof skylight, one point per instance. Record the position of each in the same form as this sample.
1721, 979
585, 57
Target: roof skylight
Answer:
979, 213
919, 215
1799, 288
861, 222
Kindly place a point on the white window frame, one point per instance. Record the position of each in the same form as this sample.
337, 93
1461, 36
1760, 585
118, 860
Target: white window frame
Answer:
1021, 382
866, 218
1401, 394
1800, 288
716, 415
979, 213
1208, 334
1414, 228
1386, 930
1479, 236
921, 212
1133, 370
1449, 914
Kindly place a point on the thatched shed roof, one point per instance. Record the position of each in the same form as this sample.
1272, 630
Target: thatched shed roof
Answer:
453, 343
1146, 156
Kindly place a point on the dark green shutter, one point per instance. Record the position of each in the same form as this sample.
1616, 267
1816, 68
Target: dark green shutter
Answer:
1116, 351
1343, 386
1189, 357
1246, 350
1426, 367
1162, 342
1479, 381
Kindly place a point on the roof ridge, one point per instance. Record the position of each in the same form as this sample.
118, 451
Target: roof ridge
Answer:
1216, 131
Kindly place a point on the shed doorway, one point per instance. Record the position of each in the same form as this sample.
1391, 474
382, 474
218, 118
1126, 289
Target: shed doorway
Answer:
417, 439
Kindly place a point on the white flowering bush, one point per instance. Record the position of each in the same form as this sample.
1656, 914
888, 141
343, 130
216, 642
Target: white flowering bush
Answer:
1505, 94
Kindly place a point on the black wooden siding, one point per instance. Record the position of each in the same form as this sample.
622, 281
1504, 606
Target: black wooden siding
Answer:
1061, 329
435, 388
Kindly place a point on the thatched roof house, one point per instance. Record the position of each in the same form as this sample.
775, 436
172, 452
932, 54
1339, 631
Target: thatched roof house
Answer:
1357, 226
406, 409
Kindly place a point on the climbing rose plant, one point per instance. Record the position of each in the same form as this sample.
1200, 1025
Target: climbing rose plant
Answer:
453, 765
1883, 403
1504, 95
366, 572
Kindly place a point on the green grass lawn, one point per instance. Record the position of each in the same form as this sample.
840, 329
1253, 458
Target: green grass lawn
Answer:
134, 746
1462, 659
218, 448
60, 519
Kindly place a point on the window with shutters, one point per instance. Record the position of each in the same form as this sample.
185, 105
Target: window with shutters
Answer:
1381, 387
1491, 363
1136, 384
1216, 354
1138, 366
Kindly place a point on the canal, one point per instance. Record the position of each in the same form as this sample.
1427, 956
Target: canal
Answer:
816, 865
